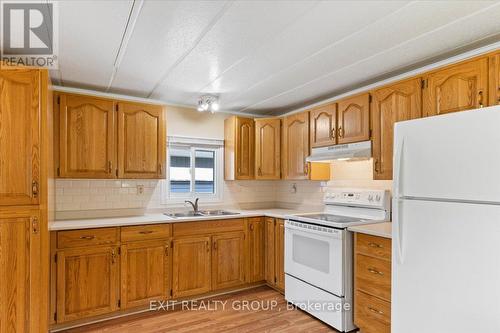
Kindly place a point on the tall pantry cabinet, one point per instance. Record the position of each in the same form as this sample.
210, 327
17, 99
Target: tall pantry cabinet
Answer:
26, 187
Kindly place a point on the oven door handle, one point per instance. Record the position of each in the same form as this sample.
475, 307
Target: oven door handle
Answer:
334, 234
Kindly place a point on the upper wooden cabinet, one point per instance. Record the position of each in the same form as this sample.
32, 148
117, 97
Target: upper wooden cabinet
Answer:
141, 141
323, 125
494, 69
295, 146
456, 88
354, 119
268, 148
86, 137
20, 122
239, 148
397, 102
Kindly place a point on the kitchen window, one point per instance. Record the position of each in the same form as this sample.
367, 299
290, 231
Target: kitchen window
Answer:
194, 169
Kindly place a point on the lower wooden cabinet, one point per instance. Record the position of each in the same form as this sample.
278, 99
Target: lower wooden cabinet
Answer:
191, 266
87, 282
256, 249
275, 251
228, 260
145, 272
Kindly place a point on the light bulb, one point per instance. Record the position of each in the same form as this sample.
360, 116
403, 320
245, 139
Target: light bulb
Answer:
215, 106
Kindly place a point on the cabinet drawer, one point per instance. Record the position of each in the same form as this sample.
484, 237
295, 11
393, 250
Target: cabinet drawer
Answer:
145, 232
85, 237
373, 276
207, 227
373, 246
372, 314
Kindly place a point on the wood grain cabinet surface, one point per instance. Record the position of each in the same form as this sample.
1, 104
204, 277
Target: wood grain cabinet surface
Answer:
456, 88
275, 252
228, 260
256, 249
391, 104
295, 146
268, 148
87, 143
353, 119
239, 148
494, 70
323, 131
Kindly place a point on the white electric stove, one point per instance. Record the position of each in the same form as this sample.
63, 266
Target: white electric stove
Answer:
319, 253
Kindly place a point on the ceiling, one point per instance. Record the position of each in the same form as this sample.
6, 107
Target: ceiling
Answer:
260, 57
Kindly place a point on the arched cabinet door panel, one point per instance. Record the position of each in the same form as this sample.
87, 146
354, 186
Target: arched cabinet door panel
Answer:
354, 119
323, 125
268, 148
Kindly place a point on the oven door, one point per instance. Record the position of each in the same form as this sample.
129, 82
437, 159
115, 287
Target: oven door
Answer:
315, 254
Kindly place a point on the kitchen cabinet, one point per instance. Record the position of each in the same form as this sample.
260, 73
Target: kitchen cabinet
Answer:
145, 275
353, 119
87, 144
372, 283
268, 148
141, 140
228, 260
390, 104
20, 149
323, 125
256, 249
239, 148
87, 282
191, 266
295, 146
275, 250
494, 70
456, 88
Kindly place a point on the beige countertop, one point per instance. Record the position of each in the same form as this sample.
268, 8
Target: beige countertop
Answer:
160, 218
376, 229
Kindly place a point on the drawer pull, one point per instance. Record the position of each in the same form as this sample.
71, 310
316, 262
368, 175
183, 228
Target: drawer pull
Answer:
145, 232
375, 311
375, 245
87, 237
374, 271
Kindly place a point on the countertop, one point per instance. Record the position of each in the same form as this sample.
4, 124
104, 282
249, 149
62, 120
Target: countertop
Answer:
376, 229
160, 218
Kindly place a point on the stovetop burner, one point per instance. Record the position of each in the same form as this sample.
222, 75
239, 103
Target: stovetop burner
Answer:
329, 218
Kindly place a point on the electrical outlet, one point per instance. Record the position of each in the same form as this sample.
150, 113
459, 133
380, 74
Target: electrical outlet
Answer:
140, 189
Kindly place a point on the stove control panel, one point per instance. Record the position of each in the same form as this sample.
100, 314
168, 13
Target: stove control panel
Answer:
375, 198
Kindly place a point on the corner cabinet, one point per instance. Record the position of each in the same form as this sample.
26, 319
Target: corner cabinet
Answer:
239, 148
456, 88
275, 253
323, 125
256, 249
397, 102
268, 148
354, 119
141, 141
494, 69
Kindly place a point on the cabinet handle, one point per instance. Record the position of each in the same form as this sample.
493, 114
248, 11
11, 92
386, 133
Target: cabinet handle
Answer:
34, 188
498, 95
332, 133
87, 237
306, 168
166, 250
215, 245
375, 310
207, 246
371, 244
374, 271
341, 132
160, 167
260, 171
113, 256
35, 225
239, 170
376, 166
251, 227
110, 166
481, 104
145, 232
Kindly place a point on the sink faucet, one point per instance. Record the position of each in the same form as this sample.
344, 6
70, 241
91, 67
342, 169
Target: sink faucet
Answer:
195, 204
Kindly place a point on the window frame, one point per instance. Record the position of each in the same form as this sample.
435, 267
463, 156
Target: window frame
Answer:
194, 144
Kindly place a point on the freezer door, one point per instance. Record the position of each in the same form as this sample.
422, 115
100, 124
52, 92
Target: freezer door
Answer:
455, 156
446, 268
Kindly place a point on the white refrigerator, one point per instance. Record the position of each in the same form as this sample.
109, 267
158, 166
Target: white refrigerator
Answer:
446, 224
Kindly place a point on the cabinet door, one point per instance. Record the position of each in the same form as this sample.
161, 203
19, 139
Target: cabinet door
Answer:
456, 88
141, 141
323, 125
87, 282
268, 148
144, 272
279, 253
354, 119
87, 137
494, 69
245, 149
400, 101
19, 136
228, 260
20, 273
269, 251
296, 146
191, 266
256, 249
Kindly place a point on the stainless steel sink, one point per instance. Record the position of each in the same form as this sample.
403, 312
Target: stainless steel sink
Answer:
214, 212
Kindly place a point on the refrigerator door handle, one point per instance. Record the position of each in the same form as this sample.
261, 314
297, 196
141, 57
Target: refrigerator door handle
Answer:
398, 158
398, 228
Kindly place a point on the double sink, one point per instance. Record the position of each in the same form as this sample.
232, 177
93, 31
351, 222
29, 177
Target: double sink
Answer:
201, 213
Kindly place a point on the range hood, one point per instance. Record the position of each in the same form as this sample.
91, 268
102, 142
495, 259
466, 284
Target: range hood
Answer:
358, 150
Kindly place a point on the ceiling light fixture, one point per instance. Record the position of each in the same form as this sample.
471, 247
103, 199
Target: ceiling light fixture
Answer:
208, 103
